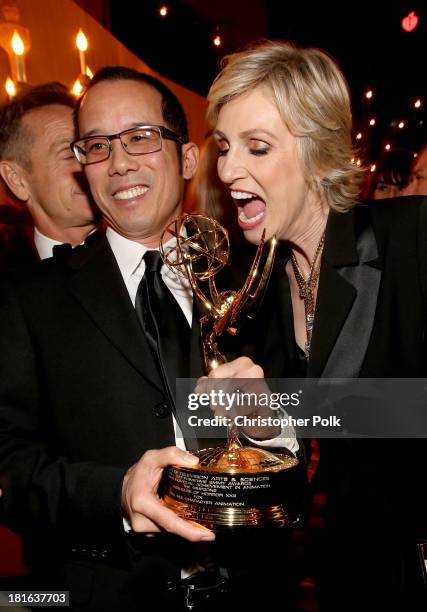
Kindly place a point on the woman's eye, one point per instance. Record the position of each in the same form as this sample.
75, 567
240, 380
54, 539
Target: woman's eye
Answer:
221, 152
257, 147
259, 151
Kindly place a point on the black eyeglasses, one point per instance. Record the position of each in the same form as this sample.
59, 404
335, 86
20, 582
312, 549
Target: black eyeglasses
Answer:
136, 141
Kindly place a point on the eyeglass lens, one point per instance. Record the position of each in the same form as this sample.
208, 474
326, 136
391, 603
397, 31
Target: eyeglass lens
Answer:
135, 142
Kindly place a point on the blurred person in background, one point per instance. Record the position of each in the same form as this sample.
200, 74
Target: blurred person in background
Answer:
391, 175
39, 169
417, 184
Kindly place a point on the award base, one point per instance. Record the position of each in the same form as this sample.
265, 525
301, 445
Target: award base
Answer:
237, 487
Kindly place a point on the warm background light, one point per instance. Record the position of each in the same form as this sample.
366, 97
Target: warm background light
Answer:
369, 94
387, 147
163, 11
359, 136
417, 103
10, 88
217, 41
81, 41
372, 122
401, 125
373, 167
410, 22
77, 88
89, 72
18, 46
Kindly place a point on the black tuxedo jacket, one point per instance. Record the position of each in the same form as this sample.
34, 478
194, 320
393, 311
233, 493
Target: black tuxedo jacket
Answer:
370, 321
80, 401
371, 304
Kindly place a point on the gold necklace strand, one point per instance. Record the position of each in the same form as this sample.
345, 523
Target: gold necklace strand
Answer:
307, 289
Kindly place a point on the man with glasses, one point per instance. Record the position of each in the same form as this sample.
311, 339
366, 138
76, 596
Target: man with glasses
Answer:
87, 413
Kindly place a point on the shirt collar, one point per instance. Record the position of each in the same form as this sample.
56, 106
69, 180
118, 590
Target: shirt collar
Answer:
128, 253
44, 244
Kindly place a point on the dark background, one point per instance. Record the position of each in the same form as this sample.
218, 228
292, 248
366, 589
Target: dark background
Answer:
365, 37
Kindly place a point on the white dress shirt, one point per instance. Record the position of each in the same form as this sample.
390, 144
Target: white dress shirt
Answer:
44, 245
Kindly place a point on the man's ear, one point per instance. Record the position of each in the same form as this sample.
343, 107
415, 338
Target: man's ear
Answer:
190, 159
14, 177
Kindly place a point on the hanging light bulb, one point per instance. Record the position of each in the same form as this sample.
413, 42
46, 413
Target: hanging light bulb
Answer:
387, 147
359, 136
163, 10
217, 40
77, 89
18, 48
369, 94
417, 103
10, 88
82, 45
372, 121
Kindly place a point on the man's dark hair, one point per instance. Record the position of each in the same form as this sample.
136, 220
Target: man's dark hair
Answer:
172, 111
15, 139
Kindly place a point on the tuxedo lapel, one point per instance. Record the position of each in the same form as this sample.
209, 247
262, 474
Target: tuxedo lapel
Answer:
346, 302
96, 282
334, 301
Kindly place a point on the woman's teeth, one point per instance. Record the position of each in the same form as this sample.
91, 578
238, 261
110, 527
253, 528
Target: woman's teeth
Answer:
242, 195
245, 219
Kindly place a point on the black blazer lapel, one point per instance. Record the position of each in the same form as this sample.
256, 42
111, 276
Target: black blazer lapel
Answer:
346, 302
96, 282
334, 301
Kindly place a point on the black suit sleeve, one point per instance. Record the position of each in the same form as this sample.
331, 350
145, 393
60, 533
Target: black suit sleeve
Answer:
41, 492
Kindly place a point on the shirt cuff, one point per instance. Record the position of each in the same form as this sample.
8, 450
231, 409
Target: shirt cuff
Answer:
285, 439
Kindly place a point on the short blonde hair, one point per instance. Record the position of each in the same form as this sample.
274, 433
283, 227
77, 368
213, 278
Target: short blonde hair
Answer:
312, 97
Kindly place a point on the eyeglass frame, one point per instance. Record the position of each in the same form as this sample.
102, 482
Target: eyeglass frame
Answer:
164, 133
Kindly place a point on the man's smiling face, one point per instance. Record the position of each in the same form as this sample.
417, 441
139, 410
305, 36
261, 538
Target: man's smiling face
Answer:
137, 195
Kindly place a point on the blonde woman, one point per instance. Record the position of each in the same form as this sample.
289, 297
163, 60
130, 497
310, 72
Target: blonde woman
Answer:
346, 299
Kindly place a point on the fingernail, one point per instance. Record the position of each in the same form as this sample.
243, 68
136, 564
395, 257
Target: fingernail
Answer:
208, 537
200, 527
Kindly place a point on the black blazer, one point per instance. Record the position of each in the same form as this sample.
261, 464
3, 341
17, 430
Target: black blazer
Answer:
371, 304
370, 321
